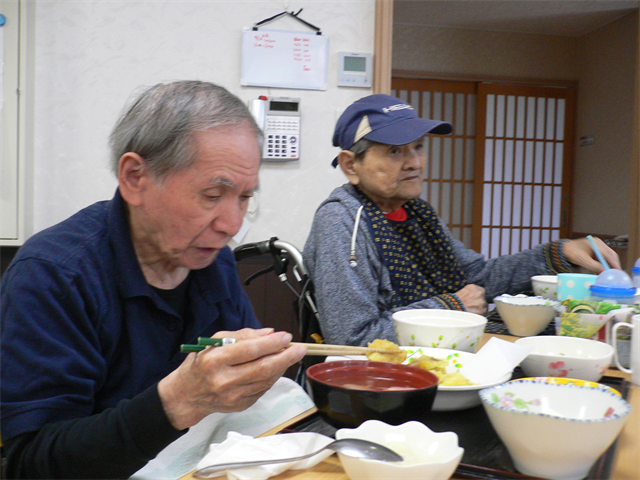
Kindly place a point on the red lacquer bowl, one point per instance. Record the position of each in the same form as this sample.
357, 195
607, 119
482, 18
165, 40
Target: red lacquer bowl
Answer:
349, 392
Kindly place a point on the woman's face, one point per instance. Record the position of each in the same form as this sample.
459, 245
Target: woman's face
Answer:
391, 175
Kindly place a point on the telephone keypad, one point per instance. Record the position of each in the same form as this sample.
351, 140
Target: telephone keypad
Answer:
282, 136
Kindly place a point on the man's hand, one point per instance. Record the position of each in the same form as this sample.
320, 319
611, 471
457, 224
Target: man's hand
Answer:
472, 297
579, 252
229, 378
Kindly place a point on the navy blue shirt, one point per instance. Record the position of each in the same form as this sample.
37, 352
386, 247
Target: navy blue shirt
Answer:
82, 329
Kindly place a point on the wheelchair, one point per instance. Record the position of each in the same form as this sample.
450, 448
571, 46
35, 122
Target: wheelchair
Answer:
283, 255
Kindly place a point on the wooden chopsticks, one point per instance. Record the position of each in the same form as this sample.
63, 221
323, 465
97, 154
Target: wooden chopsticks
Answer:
324, 349
312, 348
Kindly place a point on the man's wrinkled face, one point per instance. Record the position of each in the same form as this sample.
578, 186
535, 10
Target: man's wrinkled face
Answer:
192, 214
392, 174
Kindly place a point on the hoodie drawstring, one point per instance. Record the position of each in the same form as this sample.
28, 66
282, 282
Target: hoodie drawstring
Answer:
352, 257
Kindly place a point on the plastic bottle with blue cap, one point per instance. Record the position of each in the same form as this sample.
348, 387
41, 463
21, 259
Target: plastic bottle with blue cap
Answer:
614, 286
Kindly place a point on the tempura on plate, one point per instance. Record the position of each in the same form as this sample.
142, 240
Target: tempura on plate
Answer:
438, 366
396, 355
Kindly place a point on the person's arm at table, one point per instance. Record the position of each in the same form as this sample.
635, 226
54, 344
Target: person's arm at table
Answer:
354, 302
113, 444
228, 379
121, 440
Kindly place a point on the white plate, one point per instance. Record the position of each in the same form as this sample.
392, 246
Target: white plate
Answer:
448, 397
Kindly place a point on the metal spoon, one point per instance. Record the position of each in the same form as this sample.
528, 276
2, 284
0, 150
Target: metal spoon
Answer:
353, 447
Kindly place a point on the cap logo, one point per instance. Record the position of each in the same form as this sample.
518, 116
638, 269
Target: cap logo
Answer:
399, 106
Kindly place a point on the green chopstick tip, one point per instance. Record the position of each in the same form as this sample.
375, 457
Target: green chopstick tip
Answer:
188, 348
216, 342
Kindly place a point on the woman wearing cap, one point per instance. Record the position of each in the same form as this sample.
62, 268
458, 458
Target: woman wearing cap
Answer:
375, 247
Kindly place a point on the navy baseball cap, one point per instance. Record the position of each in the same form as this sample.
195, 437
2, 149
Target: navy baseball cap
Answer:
383, 119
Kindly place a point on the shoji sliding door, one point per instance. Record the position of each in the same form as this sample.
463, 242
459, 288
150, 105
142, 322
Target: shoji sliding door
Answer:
501, 181
524, 176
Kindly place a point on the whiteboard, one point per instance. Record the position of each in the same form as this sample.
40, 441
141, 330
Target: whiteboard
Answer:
284, 59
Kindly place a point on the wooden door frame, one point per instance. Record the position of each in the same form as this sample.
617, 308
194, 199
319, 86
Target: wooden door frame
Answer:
383, 46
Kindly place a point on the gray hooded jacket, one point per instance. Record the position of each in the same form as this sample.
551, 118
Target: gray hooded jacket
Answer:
354, 302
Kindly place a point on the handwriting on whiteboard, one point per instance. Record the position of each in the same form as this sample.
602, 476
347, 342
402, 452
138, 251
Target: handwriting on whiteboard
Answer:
284, 59
300, 47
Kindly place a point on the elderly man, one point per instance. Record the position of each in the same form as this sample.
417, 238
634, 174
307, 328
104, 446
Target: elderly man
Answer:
376, 248
94, 309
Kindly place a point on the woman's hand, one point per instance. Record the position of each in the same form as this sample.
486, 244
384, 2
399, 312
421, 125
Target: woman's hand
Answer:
472, 297
579, 252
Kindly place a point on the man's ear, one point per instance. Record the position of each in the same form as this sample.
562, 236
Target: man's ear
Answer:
132, 177
346, 160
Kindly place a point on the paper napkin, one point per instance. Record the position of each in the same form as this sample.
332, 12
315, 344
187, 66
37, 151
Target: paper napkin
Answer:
283, 401
496, 358
243, 448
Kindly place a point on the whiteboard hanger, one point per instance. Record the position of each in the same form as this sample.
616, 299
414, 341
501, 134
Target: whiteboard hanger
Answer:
294, 15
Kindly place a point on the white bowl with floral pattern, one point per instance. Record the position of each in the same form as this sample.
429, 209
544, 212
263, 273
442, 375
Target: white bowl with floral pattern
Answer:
438, 328
555, 429
559, 356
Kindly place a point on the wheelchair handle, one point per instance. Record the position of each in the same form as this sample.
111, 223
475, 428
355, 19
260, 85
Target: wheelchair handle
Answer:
273, 246
294, 252
251, 250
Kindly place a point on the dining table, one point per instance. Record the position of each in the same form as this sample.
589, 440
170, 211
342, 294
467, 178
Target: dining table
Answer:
626, 460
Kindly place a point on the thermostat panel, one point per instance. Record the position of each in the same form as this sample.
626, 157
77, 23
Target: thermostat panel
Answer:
355, 69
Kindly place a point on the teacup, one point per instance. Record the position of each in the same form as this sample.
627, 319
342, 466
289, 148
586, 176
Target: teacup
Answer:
635, 347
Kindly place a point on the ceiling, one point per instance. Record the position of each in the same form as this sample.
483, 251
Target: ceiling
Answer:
572, 18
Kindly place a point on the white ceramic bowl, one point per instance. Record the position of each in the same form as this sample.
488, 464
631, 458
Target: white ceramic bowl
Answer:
525, 316
555, 430
427, 454
439, 328
545, 286
450, 397
573, 357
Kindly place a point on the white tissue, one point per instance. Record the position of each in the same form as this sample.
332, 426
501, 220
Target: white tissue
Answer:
243, 448
283, 401
495, 359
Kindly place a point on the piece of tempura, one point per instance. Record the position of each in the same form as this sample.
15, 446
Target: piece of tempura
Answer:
395, 356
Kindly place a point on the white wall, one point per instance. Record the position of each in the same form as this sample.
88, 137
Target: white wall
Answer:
466, 51
602, 180
90, 56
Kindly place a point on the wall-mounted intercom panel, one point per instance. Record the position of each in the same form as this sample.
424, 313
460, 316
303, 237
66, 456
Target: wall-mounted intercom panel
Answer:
279, 118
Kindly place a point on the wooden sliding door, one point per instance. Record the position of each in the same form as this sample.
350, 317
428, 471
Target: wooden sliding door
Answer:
525, 141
